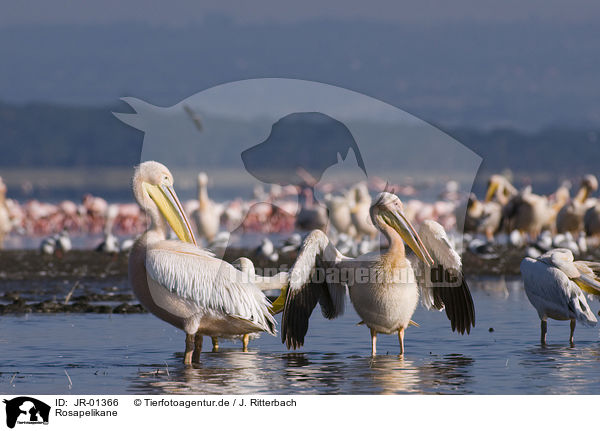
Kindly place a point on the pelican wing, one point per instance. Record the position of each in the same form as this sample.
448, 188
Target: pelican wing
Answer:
443, 286
553, 294
312, 281
589, 276
207, 282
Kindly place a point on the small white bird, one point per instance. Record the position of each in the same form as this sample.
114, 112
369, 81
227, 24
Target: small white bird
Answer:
554, 283
292, 244
127, 244
266, 250
63, 242
566, 240
220, 241
48, 245
109, 245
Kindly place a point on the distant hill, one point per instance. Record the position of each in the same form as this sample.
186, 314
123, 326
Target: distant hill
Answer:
526, 74
47, 136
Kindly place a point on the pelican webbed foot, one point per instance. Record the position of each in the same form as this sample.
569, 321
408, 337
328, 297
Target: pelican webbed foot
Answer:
215, 343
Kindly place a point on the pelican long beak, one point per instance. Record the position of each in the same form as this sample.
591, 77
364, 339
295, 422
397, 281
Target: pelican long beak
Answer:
491, 191
168, 203
405, 229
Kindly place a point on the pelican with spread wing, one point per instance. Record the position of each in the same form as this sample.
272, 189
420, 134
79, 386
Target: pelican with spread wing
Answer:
182, 284
382, 287
555, 285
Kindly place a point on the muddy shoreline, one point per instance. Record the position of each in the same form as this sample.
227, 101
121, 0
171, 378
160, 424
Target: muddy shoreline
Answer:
84, 281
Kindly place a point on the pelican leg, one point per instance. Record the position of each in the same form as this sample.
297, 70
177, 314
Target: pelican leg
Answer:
197, 347
544, 331
401, 340
189, 349
373, 342
215, 343
573, 323
245, 340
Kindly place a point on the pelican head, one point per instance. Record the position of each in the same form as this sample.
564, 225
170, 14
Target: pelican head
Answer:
494, 183
389, 211
590, 182
153, 190
202, 179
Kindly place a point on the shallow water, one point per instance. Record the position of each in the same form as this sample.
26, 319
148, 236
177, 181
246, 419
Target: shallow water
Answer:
138, 353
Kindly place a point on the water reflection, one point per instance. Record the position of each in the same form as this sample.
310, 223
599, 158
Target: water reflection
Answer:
301, 373
452, 373
37, 349
394, 375
570, 369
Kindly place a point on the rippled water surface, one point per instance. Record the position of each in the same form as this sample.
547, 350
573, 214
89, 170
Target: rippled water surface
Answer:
122, 354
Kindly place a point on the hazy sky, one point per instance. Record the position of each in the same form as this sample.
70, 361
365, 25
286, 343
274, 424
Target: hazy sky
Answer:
181, 12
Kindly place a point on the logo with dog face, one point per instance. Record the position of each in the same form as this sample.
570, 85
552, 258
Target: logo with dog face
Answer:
269, 134
26, 410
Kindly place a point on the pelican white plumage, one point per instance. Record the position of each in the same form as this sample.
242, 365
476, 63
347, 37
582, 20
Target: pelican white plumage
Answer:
276, 282
444, 283
382, 287
527, 212
481, 217
570, 218
554, 284
184, 285
207, 215
360, 212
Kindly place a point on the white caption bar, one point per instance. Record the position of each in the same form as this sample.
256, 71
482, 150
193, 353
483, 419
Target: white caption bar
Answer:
288, 412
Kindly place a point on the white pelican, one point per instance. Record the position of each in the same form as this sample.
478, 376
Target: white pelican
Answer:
527, 212
382, 287
554, 283
481, 217
207, 216
570, 217
339, 214
5, 223
360, 212
182, 284
500, 188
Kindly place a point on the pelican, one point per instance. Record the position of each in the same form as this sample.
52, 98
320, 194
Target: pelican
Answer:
339, 214
5, 223
500, 188
527, 212
360, 212
570, 217
482, 217
182, 284
591, 220
554, 284
207, 215
382, 287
